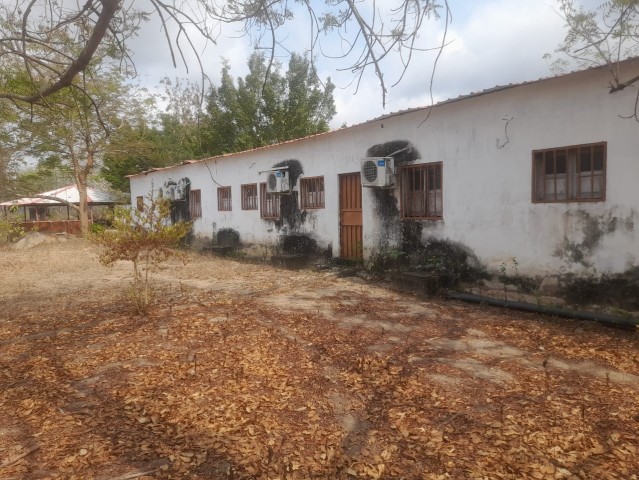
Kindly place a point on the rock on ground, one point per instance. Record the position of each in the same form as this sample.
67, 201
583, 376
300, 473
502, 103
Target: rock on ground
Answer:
33, 239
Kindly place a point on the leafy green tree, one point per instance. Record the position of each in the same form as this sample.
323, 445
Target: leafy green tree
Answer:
266, 106
70, 126
10, 150
181, 121
161, 139
145, 237
309, 106
49, 173
7, 173
133, 149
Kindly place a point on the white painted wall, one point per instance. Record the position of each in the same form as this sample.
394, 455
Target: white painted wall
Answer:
487, 190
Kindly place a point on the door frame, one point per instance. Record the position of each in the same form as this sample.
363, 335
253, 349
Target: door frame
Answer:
359, 245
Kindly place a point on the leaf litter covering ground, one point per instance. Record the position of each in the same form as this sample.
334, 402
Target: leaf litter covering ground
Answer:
246, 371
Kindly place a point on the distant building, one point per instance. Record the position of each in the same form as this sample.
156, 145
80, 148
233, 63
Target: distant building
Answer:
50, 212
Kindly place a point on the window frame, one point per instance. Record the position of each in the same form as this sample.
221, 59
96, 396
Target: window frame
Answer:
195, 204
407, 175
573, 173
266, 198
315, 199
249, 202
224, 199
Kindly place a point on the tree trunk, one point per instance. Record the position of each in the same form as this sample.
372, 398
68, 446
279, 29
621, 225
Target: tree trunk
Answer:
83, 212
81, 181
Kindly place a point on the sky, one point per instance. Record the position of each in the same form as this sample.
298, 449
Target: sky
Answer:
489, 43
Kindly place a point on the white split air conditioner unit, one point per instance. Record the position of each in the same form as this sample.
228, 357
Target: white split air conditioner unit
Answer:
378, 172
278, 182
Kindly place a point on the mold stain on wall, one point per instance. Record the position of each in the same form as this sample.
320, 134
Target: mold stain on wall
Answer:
298, 244
178, 193
620, 290
385, 201
452, 261
228, 237
594, 228
291, 216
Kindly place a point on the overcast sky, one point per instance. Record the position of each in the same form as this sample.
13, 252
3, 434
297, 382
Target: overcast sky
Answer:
490, 42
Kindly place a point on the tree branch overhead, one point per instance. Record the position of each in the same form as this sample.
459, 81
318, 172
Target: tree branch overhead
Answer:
46, 46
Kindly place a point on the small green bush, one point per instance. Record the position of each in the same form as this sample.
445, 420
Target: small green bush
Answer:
97, 228
10, 228
145, 237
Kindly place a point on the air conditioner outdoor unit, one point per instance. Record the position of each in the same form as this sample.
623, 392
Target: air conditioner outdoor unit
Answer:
277, 182
378, 172
169, 192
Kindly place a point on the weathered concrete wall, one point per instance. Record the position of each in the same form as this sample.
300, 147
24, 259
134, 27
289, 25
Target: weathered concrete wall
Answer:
487, 190
487, 168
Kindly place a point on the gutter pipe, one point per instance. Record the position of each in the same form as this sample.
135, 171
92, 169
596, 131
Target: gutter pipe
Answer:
630, 323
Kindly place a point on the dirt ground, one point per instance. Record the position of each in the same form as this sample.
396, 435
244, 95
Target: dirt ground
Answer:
247, 371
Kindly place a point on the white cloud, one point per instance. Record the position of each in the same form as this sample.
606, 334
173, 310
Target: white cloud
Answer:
502, 42
494, 42
491, 43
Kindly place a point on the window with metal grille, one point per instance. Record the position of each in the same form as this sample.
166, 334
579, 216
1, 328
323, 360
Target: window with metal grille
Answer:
269, 203
570, 174
195, 204
421, 191
312, 192
139, 203
224, 199
249, 197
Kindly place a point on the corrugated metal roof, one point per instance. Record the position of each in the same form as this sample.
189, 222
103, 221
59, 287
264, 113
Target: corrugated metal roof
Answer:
68, 194
497, 88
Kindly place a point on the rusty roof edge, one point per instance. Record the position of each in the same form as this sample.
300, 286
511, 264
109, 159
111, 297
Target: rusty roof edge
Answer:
486, 91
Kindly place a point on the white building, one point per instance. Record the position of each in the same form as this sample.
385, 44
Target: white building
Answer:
544, 172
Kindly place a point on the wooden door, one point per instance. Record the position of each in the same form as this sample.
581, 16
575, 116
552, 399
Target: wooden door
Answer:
350, 216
